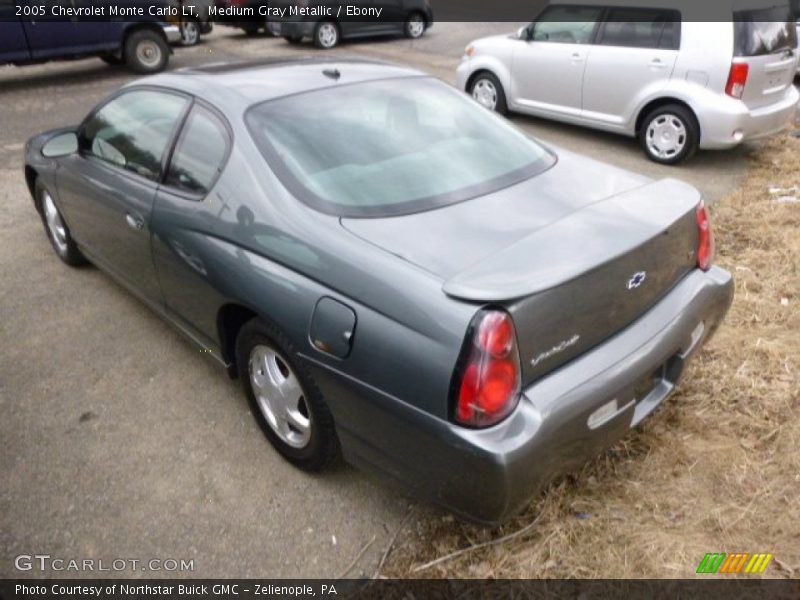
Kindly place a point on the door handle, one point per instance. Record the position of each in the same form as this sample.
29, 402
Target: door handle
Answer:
577, 57
657, 63
134, 222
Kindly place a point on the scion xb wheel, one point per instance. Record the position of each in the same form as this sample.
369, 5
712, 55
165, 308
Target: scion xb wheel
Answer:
669, 134
146, 52
415, 26
284, 398
326, 35
56, 229
190, 32
487, 90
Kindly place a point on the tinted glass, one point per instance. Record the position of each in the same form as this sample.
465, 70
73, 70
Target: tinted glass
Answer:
200, 152
391, 147
764, 31
634, 28
133, 130
566, 25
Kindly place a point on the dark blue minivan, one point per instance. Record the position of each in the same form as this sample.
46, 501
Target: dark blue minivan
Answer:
34, 31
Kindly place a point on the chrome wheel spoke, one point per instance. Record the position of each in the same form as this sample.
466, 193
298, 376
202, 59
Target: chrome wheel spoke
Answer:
297, 420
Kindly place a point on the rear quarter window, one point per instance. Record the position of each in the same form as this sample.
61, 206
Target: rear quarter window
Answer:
764, 31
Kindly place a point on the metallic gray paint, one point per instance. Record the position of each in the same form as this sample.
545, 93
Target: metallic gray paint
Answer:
250, 244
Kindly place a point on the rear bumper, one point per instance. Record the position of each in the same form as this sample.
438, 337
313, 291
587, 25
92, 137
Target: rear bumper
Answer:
728, 122
489, 475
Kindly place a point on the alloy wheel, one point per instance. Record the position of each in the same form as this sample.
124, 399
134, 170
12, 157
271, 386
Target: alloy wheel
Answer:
280, 397
666, 136
485, 93
328, 35
190, 33
415, 26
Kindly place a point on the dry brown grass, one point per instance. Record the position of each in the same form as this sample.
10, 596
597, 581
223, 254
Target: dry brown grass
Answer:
717, 469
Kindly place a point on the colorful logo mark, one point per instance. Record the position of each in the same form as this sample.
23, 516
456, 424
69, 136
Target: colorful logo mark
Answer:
731, 564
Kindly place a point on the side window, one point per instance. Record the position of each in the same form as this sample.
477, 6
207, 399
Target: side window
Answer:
201, 150
132, 131
641, 28
566, 25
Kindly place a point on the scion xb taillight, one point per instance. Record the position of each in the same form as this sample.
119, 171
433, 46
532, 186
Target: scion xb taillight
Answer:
737, 78
487, 383
705, 241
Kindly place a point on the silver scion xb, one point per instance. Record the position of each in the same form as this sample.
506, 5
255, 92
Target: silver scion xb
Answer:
655, 71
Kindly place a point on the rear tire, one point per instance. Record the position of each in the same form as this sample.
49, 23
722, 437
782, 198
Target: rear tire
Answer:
327, 35
669, 134
284, 398
486, 89
146, 52
56, 229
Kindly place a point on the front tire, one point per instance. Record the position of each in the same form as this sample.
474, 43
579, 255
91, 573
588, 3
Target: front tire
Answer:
285, 400
415, 26
57, 231
487, 91
327, 35
146, 52
669, 134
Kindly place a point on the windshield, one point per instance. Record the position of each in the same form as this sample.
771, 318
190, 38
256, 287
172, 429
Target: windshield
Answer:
391, 147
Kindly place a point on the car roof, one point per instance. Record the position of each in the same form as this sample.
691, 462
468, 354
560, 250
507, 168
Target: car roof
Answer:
249, 83
690, 9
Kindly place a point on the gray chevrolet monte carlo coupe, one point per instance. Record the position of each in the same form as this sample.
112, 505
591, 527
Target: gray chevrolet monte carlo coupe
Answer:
394, 272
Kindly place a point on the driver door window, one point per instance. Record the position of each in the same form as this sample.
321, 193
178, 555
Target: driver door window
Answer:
133, 131
566, 25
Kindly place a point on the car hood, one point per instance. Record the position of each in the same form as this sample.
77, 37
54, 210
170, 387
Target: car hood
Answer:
462, 243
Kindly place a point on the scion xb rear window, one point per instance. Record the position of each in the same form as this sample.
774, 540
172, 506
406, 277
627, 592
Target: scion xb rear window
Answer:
390, 147
764, 31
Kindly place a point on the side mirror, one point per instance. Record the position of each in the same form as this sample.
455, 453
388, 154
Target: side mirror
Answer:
524, 33
63, 144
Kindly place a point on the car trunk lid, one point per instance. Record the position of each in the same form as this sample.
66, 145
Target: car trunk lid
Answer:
572, 265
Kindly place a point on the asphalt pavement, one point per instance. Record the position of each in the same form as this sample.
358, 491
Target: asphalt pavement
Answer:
119, 440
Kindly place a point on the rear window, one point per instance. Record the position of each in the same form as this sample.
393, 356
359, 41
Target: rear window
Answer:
764, 31
391, 147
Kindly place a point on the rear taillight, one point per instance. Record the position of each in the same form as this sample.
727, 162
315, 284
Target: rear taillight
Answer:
737, 78
487, 384
705, 242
